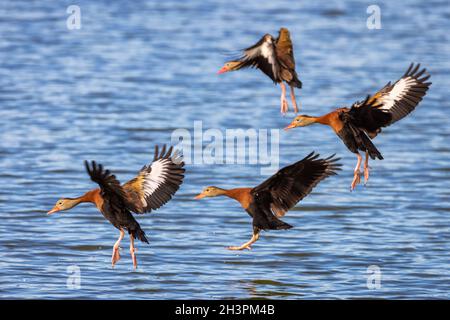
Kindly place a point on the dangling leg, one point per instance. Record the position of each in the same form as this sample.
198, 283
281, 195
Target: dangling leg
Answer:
294, 102
248, 244
284, 103
366, 168
116, 255
357, 173
132, 251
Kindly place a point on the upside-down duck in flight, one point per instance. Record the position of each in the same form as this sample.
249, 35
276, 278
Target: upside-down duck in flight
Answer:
274, 57
153, 187
270, 200
360, 123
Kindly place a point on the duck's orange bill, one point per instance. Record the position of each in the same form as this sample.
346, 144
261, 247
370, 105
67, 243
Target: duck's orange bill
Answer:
53, 211
290, 126
200, 196
222, 70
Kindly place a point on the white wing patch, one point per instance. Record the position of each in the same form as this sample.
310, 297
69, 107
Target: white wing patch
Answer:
155, 178
400, 90
267, 51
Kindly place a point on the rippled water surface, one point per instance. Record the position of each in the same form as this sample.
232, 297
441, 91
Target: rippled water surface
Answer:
138, 70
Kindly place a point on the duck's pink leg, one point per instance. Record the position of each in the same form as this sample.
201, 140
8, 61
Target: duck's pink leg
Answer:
116, 255
133, 252
357, 173
248, 244
366, 168
284, 103
294, 102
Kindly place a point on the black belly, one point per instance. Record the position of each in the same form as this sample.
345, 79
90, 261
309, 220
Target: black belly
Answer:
349, 140
263, 218
356, 139
118, 217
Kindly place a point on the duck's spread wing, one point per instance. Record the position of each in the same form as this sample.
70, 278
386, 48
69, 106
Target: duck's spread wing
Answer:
402, 97
110, 187
368, 115
285, 50
155, 184
291, 184
262, 56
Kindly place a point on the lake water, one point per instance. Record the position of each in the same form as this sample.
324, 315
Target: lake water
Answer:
136, 71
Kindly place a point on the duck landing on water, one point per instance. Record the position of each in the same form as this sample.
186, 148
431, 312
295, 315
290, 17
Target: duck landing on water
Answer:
270, 200
153, 187
362, 122
274, 57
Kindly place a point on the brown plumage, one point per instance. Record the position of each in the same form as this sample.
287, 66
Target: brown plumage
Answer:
363, 121
154, 186
270, 200
275, 58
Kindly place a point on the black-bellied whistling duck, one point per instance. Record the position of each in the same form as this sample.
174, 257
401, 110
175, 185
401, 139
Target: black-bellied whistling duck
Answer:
274, 57
360, 123
270, 200
153, 186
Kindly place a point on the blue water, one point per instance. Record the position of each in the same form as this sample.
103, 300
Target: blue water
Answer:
138, 70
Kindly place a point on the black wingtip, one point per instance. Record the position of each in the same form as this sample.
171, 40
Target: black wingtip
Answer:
409, 69
163, 152
330, 157
169, 152
415, 72
155, 157
86, 166
312, 156
333, 165
415, 69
